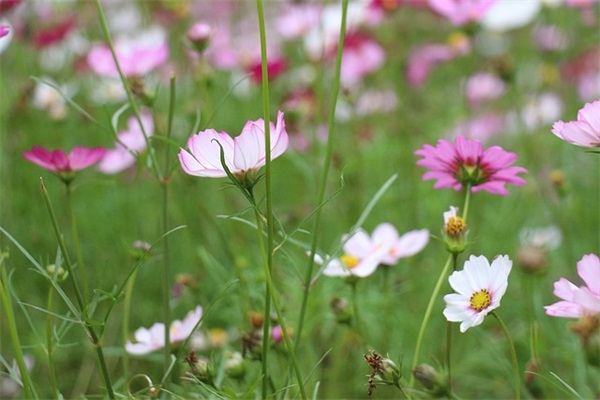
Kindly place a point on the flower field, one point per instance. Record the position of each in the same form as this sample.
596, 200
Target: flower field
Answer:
295, 199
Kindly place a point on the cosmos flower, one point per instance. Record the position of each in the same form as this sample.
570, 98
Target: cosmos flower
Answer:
4, 30
243, 154
57, 161
479, 288
464, 162
149, 340
578, 302
482, 87
585, 131
137, 55
461, 12
363, 253
130, 141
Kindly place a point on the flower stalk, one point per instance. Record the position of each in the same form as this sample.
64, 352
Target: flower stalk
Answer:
513, 355
12, 328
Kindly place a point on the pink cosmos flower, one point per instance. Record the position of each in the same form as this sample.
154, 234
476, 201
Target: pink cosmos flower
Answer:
461, 12
243, 154
298, 19
585, 131
130, 141
466, 163
363, 253
426, 56
578, 302
4, 30
57, 161
137, 55
149, 340
362, 55
479, 288
483, 87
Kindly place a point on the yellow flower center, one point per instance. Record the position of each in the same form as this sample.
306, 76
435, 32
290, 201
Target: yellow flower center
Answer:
457, 39
455, 226
481, 300
350, 261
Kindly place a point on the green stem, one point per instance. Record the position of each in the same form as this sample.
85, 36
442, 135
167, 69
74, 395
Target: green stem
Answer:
90, 330
326, 166
271, 293
268, 257
448, 354
428, 311
467, 203
356, 318
12, 328
166, 276
513, 355
76, 241
50, 340
387, 306
452, 258
126, 313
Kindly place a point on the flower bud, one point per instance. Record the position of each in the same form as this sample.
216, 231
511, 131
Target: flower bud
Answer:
199, 36
256, 319
588, 329
531, 382
200, 367
431, 379
341, 309
61, 273
532, 259
455, 231
235, 365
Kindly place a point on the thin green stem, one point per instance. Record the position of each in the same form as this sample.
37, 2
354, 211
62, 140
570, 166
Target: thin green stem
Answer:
356, 318
90, 330
326, 166
76, 241
513, 355
50, 341
271, 293
268, 257
451, 261
428, 311
12, 328
387, 306
467, 203
166, 276
125, 328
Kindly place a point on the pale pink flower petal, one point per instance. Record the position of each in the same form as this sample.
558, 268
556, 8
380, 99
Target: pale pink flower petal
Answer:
578, 301
585, 131
244, 153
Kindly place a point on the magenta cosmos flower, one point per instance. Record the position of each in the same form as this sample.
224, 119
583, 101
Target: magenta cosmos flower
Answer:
578, 302
149, 340
585, 131
244, 154
466, 163
64, 164
479, 288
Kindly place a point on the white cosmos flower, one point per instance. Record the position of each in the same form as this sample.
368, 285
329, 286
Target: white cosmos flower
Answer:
149, 340
480, 287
